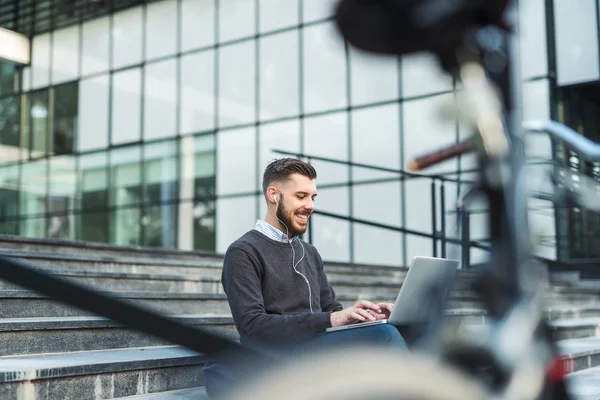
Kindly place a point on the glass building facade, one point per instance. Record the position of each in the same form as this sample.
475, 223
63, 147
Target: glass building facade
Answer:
150, 124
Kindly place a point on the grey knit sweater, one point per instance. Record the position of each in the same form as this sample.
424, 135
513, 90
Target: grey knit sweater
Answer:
268, 299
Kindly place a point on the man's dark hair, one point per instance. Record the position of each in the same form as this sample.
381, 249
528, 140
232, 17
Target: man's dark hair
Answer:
280, 171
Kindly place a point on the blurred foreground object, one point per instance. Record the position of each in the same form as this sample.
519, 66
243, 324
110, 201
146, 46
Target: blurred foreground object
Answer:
410, 26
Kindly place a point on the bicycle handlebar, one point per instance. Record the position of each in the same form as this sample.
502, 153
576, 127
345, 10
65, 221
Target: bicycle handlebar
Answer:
589, 149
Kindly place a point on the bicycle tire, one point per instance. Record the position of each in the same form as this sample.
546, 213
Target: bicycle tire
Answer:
363, 372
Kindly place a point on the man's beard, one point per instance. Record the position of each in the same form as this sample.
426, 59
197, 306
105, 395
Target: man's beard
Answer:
287, 219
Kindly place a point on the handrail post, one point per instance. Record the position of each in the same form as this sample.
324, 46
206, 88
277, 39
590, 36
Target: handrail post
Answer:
466, 239
434, 217
443, 216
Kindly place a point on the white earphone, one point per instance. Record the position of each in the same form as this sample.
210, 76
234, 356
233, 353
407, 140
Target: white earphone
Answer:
275, 198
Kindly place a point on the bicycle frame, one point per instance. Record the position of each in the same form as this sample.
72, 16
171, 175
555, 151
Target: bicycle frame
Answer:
509, 285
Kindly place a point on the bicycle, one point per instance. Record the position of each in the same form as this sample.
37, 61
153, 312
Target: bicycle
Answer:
515, 357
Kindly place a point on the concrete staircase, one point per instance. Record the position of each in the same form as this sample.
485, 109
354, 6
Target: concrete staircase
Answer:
53, 351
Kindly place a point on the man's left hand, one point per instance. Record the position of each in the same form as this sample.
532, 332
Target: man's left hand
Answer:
386, 310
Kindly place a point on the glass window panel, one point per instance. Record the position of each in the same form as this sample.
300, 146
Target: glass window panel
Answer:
276, 14
317, 9
421, 129
10, 133
418, 246
236, 161
536, 106
236, 19
126, 195
161, 192
7, 78
40, 61
9, 199
95, 46
197, 24
532, 32
277, 136
61, 198
388, 201
331, 237
161, 29
422, 75
93, 198
160, 226
160, 99
126, 106
377, 246
39, 120
279, 80
65, 54
34, 176
543, 225
196, 191
197, 109
127, 37
26, 79
324, 69
334, 145
92, 131
65, 118
237, 84
576, 35
373, 78
235, 216
376, 140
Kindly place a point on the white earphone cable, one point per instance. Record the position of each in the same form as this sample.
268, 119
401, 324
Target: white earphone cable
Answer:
295, 264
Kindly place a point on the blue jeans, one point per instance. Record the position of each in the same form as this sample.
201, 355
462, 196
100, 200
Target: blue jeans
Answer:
219, 377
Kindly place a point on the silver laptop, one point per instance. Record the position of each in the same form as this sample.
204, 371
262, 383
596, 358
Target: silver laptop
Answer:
427, 277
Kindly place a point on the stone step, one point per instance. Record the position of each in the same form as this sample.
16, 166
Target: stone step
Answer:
21, 336
121, 264
205, 267
584, 384
100, 374
27, 304
11, 242
556, 312
65, 334
128, 282
198, 393
136, 282
575, 328
582, 353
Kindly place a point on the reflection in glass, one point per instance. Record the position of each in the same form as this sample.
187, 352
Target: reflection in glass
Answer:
204, 191
65, 118
160, 192
125, 194
126, 106
9, 199
9, 130
33, 198
93, 118
39, 121
93, 198
61, 198
7, 77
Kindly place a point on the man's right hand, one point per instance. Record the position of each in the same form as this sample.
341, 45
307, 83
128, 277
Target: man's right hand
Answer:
362, 311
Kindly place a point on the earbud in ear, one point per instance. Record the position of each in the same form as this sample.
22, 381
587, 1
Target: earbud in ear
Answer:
275, 198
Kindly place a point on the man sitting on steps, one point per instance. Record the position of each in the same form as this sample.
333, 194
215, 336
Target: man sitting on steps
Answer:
275, 283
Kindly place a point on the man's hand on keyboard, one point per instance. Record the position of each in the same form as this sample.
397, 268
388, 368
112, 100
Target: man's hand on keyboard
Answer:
363, 311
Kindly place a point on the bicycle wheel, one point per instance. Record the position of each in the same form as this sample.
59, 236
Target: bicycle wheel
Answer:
362, 373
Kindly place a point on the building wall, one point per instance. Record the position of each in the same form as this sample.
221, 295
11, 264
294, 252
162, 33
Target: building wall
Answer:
170, 103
